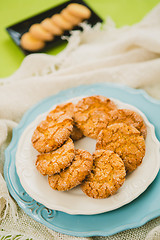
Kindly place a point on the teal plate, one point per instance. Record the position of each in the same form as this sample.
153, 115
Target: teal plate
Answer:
132, 215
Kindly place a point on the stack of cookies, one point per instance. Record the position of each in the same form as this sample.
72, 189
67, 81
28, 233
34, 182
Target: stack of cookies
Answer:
120, 147
49, 28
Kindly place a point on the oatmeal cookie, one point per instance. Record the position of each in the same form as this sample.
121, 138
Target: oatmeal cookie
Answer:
107, 175
91, 114
74, 174
124, 140
52, 133
67, 108
76, 133
55, 161
128, 117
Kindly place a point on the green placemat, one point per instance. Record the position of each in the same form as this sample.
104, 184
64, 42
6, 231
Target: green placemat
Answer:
123, 12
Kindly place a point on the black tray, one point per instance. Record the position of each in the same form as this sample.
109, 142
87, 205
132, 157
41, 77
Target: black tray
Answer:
17, 30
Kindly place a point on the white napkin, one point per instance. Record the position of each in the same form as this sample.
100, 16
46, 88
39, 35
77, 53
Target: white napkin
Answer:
129, 55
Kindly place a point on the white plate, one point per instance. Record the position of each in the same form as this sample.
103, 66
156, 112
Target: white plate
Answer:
75, 201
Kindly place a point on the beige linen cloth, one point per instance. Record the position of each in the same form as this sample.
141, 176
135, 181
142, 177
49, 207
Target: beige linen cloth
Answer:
129, 55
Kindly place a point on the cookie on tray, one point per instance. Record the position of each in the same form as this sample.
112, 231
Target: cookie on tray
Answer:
128, 117
107, 175
52, 133
74, 174
57, 160
90, 114
124, 140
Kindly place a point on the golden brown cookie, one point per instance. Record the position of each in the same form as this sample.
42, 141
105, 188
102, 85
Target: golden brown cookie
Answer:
51, 134
37, 31
28, 42
70, 18
49, 26
91, 114
74, 174
76, 133
128, 117
55, 161
107, 175
124, 140
78, 10
61, 22
67, 108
